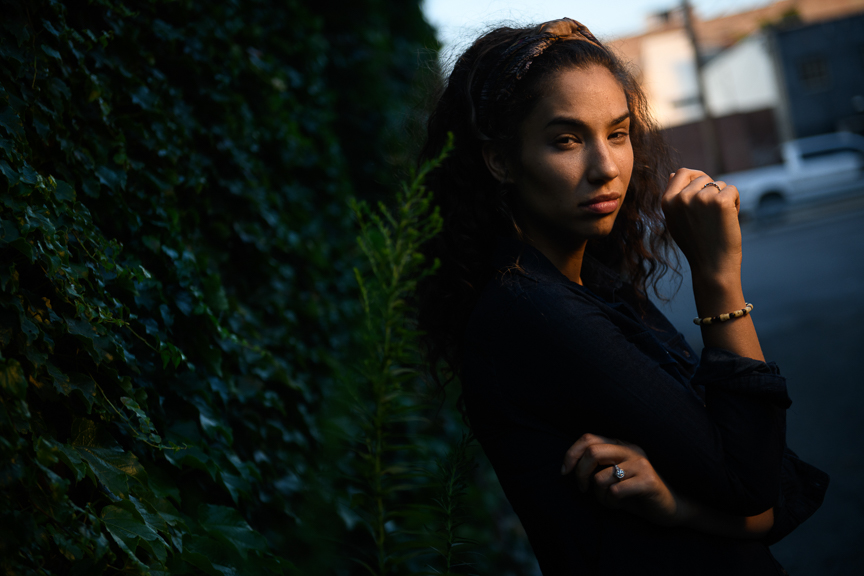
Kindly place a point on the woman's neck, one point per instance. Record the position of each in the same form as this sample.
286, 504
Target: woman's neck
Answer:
567, 259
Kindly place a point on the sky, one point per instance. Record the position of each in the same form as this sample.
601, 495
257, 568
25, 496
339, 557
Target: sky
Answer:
460, 21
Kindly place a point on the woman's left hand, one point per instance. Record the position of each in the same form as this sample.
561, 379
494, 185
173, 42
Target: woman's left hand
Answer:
641, 491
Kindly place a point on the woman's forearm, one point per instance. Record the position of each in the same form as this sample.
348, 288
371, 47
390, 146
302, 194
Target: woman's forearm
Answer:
716, 295
709, 521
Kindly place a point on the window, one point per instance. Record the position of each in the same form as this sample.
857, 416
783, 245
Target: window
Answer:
814, 73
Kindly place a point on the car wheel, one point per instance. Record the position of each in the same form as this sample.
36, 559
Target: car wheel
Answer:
772, 207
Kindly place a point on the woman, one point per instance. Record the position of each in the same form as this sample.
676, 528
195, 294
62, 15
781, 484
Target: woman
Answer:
615, 449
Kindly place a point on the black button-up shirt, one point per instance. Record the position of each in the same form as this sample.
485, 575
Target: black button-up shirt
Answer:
547, 360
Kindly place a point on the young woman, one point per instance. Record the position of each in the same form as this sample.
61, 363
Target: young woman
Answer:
617, 447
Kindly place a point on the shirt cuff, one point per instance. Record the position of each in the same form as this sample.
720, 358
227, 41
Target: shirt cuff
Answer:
722, 370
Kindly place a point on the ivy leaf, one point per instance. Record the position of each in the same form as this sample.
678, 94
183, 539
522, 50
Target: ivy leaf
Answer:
8, 230
24, 247
71, 458
125, 522
51, 52
112, 465
81, 383
226, 524
12, 378
167, 512
114, 179
64, 192
11, 122
212, 556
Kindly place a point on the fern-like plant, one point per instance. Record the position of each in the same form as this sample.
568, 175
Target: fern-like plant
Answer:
389, 472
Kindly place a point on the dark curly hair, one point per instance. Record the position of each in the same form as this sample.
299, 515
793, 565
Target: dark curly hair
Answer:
492, 88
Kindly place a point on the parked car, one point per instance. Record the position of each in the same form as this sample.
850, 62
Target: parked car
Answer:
812, 168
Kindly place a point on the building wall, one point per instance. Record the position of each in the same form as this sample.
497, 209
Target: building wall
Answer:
742, 78
658, 57
747, 140
823, 70
669, 78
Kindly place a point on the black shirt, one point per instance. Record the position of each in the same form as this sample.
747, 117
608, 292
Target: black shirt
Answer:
547, 360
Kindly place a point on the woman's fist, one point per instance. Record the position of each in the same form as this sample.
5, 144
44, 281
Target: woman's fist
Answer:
702, 216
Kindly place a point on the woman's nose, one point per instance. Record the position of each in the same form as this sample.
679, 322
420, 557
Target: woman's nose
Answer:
602, 166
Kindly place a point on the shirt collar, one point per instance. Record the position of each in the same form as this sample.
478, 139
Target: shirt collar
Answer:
513, 255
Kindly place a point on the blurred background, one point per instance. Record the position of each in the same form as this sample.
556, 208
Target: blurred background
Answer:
740, 88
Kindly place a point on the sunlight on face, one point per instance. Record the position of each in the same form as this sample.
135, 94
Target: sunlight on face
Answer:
576, 160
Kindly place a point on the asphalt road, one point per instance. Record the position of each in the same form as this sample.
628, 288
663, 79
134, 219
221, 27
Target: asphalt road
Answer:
805, 276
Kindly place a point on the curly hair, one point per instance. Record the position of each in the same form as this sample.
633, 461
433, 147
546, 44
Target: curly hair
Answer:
493, 86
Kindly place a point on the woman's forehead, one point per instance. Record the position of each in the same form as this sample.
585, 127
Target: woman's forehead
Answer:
588, 94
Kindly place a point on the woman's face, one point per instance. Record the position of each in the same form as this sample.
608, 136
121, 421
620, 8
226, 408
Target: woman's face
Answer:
576, 159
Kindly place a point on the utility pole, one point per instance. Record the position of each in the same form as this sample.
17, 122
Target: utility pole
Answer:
710, 141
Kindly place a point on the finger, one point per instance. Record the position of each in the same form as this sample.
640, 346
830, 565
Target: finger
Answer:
603, 485
578, 448
679, 180
697, 185
627, 488
606, 483
731, 192
598, 455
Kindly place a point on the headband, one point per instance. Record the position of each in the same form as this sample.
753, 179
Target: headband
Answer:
517, 58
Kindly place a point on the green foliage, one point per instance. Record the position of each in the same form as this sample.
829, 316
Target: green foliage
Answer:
178, 302
176, 262
387, 407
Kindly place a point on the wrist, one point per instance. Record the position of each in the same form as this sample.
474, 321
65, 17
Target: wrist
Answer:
718, 300
685, 512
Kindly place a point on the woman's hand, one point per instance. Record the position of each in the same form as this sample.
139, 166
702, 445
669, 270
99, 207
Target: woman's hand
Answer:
641, 490
703, 220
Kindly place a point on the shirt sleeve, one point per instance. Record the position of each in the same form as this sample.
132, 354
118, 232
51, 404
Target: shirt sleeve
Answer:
802, 491
564, 368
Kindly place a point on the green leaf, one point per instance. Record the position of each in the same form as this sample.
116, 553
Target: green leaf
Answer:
64, 192
12, 378
24, 247
71, 458
226, 523
113, 178
51, 52
8, 230
219, 558
112, 465
10, 121
125, 523
84, 385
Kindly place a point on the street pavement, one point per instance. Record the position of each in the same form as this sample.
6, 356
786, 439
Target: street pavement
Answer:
804, 274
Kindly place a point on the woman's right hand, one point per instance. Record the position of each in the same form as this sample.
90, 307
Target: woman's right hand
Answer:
644, 493
703, 221
641, 491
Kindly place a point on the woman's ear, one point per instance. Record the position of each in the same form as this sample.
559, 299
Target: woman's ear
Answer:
496, 162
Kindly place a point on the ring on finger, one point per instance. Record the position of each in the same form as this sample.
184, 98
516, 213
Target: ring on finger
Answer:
714, 184
618, 472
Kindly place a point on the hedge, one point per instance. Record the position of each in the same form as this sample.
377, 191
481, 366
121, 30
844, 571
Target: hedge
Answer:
185, 362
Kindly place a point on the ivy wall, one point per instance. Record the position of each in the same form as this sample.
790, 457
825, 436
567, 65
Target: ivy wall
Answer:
178, 308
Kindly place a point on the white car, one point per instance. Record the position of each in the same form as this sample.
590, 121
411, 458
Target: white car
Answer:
812, 168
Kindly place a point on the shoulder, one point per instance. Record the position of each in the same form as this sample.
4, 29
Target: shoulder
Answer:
518, 308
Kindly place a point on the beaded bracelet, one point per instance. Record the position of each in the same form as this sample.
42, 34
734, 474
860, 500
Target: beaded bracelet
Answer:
724, 317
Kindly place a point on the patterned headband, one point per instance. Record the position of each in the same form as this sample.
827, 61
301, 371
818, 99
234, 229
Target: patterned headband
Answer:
516, 60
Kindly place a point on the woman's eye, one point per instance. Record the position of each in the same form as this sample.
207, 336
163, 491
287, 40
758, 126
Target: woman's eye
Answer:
566, 140
619, 136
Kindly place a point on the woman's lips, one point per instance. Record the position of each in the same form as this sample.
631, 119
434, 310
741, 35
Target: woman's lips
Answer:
604, 204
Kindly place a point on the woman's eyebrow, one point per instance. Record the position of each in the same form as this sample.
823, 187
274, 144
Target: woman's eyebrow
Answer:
581, 124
